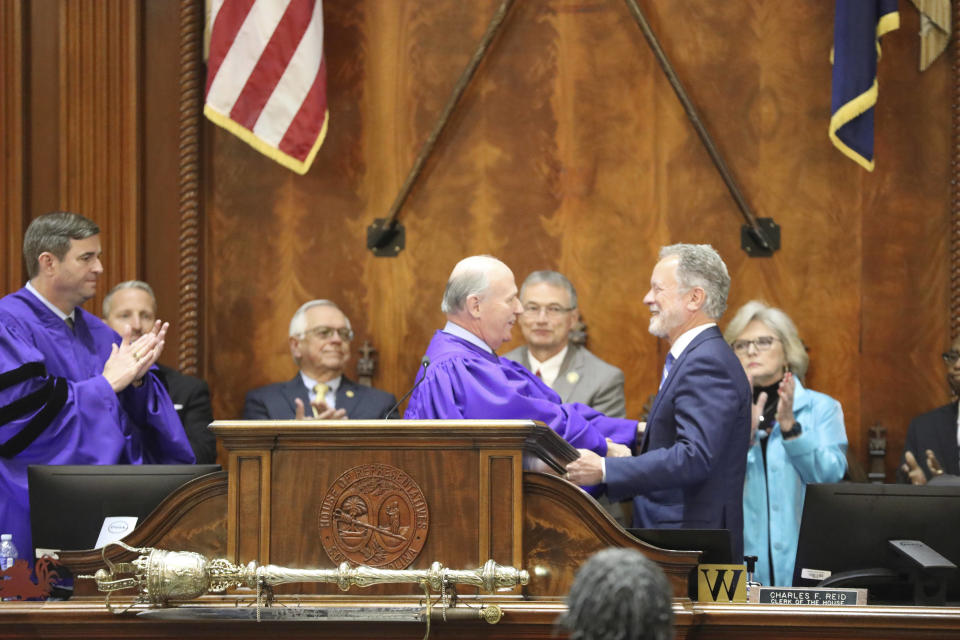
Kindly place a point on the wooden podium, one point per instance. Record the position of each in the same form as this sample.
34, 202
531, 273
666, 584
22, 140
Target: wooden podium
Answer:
457, 491
405, 494
458, 484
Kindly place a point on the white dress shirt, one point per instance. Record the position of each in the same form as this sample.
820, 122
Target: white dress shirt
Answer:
330, 399
550, 368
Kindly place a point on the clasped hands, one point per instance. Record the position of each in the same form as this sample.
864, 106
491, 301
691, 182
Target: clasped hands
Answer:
588, 468
323, 412
130, 361
784, 415
915, 472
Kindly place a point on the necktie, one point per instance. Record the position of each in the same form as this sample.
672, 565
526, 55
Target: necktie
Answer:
69, 322
320, 390
666, 368
538, 374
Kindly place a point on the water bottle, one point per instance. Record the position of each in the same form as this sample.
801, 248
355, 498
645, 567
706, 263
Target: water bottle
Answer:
8, 553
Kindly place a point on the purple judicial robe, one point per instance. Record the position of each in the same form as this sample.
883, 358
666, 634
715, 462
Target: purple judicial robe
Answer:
57, 408
464, 381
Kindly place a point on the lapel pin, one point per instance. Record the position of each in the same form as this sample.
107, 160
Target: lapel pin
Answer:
350, 393
572, 377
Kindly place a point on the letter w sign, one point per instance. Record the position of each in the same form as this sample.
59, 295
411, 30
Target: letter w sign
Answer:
722, 583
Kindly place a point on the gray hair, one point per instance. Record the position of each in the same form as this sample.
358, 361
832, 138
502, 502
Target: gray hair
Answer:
701, 266
780, 323
298, 323
619, 594
469, 277
53, 233
128, 284
554, 278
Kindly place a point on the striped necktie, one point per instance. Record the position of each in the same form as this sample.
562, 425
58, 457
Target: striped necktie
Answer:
666, 369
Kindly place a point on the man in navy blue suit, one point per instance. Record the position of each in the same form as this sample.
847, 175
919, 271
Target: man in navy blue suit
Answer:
320, 336
690, 466
932, 447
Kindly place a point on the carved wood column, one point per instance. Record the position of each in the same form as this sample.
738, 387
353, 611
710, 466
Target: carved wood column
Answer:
11, 143
191, 116
955, 186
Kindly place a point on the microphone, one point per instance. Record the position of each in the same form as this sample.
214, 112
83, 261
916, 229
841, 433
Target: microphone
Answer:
424, 364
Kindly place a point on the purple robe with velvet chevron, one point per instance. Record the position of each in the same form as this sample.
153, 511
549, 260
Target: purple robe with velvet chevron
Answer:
57, 408
464, 381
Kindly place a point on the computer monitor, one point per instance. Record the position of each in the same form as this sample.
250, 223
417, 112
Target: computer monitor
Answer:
68, 503
713, 545
847, 528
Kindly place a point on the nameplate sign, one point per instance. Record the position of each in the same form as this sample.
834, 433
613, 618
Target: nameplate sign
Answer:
808, 596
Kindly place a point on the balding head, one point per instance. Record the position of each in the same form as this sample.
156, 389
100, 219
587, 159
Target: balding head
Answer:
481, 297
470, 276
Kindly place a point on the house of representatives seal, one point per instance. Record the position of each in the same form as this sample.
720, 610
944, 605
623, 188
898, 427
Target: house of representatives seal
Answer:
375, 515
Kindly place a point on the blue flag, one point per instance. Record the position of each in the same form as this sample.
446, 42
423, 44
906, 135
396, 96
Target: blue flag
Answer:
857, 27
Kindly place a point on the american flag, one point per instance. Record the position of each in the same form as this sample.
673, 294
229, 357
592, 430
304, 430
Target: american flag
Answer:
267, 76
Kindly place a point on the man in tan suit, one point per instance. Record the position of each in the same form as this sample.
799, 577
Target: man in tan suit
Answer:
549, 313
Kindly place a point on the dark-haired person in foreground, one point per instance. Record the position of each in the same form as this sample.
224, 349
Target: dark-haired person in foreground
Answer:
466, 379
72, 391
619, 594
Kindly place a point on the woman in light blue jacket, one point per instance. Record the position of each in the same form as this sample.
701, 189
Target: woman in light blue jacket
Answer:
797, 438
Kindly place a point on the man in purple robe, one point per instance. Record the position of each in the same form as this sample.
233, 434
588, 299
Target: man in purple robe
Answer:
71, 390
464, 378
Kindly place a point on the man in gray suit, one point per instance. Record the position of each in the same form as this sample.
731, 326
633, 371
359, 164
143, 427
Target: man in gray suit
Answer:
320, 336
549, 313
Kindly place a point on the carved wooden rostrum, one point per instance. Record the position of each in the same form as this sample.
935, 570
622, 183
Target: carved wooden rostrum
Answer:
378, 493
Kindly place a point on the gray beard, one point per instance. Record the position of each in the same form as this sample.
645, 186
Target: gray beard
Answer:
656, 327
661, 324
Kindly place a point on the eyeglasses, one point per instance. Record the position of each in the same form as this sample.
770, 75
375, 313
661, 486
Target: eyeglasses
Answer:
325, 333
763, 343
950, 357
552, 310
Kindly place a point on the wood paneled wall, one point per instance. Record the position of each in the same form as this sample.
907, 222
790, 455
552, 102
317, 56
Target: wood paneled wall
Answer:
569, 151
82, 120
11, 142
100, 104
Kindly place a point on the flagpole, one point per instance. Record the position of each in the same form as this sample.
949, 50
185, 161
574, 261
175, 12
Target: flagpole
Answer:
694, 117
385, 228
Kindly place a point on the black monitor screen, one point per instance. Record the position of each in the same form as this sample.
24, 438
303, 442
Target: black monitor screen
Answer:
69, 502
846, 527
713, 544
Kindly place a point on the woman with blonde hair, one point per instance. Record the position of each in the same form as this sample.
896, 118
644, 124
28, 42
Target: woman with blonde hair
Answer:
797, 437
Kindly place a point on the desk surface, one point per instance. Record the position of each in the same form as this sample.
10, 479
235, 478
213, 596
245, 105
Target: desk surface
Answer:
88, 618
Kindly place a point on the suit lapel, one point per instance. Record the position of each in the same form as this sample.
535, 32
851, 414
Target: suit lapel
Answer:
674, 374
525, 357
296, 389
347, 396
572, 362
947, 437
